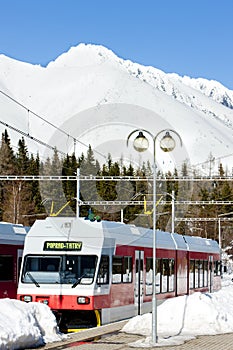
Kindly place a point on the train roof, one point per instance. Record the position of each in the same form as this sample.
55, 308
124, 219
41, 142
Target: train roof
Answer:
122, 234
199, 244
13, 234
135, 235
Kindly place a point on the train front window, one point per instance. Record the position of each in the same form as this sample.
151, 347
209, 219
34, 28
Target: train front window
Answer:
41, 269
78, 269
64, 269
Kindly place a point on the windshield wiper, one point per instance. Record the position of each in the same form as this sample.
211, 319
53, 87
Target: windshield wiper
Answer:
33, 279
78, 280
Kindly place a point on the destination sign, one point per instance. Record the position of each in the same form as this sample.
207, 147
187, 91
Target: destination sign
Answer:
61, 245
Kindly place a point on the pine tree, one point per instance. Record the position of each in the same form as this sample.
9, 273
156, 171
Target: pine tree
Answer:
7, 157
52, 193
109, 190
70, 166
8, 188
88, 189
23, 189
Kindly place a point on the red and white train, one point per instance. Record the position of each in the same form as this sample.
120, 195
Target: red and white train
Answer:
93, 273
12, 238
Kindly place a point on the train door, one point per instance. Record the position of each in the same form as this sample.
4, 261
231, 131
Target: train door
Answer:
138, 280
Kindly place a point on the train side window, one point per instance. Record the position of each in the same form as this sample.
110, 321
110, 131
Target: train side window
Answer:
165, 273
192, 274
201, 274
127, 269
122, 267
103, 273
196, 278
117, 269
198, 275
149, 276
6, 268
158, 278
164, 276
171, 276
205, 264
168, 279
217, 268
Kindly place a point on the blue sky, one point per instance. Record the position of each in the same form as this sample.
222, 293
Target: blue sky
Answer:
193, 38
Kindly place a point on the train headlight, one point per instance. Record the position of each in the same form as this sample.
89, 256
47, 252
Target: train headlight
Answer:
26, 298
83, 300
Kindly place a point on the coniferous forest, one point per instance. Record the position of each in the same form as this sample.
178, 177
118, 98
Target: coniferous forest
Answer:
25, 201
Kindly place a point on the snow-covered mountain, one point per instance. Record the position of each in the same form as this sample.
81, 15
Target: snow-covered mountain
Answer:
94, 96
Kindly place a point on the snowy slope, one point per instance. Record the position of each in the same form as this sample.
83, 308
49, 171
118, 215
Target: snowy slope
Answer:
100, 98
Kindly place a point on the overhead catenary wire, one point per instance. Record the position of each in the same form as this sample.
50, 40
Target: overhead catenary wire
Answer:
75, 140
31, 137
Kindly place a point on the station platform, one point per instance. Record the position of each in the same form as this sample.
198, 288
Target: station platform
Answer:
110, 337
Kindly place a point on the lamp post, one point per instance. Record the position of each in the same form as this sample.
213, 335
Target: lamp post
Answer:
141, 144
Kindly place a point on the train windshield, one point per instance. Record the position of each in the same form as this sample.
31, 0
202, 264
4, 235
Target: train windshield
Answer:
64, 269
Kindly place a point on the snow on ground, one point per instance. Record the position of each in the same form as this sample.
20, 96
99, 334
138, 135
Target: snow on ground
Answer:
25, 325
183, 318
